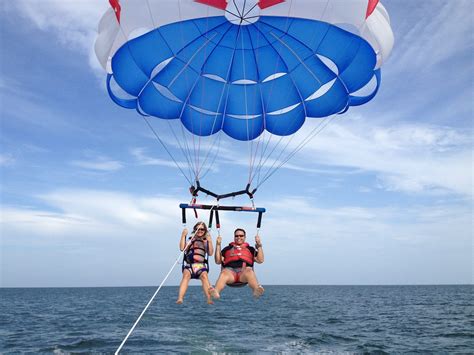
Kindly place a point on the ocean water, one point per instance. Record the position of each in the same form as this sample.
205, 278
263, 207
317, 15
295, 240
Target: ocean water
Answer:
287, 319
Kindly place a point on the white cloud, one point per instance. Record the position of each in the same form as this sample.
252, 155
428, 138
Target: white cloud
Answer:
73, 22
88, 213
408, 157
138, 236
432, 34
100, 164
142, 158
6, 159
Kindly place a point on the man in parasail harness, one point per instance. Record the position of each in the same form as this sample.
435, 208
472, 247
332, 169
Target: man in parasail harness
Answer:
237, 261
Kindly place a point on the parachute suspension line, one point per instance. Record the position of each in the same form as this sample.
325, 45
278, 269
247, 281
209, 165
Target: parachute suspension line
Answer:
145, 119
270, 170
195, 147
219, 134
326, 121
200, 174
303, 143
249, 141
276, 160
270, 136
254, 154
183, 151
153, 297
166, 148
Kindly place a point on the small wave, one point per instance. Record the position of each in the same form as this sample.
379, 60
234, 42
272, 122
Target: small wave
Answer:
457, 335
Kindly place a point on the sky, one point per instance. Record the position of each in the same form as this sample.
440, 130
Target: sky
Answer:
383, 195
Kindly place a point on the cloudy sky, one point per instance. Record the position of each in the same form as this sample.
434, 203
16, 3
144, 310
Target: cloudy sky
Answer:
384, 195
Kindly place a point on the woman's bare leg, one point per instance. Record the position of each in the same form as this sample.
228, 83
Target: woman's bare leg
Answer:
183, 286
206, 285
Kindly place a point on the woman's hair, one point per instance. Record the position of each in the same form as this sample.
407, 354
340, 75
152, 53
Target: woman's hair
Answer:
198, 224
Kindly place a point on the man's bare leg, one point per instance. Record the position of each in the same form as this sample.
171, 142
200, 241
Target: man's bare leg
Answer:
249, 276
225, 277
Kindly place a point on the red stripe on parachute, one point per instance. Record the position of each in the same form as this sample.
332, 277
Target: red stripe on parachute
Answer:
371, 7
220, 4
116, 6
263, 4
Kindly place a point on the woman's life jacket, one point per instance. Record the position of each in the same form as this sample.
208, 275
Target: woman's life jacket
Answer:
196, 252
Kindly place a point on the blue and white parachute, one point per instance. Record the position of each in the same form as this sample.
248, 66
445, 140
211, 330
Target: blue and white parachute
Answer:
243, 67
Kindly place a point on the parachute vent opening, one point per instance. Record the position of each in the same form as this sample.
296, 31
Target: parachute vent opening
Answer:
284, 110
215, 77
206, 112
273, 77
244, 82
367, 89
244, 117
118, 91
166, 92
323, 89
159, 67
329, 63
242, 12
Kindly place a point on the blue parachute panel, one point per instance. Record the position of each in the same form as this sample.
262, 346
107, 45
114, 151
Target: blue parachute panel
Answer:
128, 75
201, 123
286, 123
244, 100
178, 35
264, 56
333, 101
311, 75
178, 77
156, 104
214, 62
140, 47
244, 66
200, 98
279, 93
243, 129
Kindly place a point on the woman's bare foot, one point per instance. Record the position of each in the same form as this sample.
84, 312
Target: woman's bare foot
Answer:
258, 291
214, 294
210, 301
179, 301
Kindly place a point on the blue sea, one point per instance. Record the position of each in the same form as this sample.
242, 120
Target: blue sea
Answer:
287, 319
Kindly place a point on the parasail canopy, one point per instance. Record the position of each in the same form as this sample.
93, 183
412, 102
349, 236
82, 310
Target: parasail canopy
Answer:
246, 68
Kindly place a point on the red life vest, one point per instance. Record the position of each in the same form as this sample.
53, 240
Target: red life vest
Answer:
238, 253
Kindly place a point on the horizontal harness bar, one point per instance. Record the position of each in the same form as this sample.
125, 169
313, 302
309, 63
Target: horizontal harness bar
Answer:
223, 208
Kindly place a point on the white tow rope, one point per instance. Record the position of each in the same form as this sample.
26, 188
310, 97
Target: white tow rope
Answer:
153, 297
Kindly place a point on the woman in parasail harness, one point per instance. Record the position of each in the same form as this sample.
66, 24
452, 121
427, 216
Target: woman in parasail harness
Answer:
195, 264
237, 261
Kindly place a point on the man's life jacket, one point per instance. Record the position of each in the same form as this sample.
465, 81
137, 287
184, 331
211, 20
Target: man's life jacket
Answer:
238, 253
196, 252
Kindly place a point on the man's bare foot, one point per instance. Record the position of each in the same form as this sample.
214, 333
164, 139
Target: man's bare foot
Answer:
258, 291
214, 294
179, 301
210, 301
